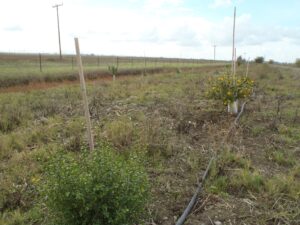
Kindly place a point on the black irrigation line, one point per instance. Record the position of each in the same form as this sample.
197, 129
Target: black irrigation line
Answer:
194, 198
192, 202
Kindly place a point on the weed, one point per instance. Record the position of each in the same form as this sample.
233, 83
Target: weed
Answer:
287, 184
243, 180
219, 185
120, 132
282, 159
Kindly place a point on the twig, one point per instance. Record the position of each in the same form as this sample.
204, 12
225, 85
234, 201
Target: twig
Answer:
202, 205
194, 198
276, 202
240, 114
235, 123
210, 220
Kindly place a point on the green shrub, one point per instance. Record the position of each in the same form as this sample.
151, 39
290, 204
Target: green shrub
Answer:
228, 90
271, 61
100, 188
240, 60
259, 59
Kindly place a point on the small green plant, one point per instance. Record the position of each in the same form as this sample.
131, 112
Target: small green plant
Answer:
178, 71
219, 185
228, 90
113, 70
285, 183
282, 159
246, 180
97, 188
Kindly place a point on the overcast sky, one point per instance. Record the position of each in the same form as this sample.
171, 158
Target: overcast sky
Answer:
167, 28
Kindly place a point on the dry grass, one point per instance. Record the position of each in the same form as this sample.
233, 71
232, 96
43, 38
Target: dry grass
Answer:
175, 130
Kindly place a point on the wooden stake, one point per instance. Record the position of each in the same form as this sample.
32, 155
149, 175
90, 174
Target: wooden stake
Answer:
233, 45
72, 62
84, 96
40, 59
145, 65
234, 65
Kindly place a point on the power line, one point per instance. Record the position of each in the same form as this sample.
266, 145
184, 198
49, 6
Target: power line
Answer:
59, 42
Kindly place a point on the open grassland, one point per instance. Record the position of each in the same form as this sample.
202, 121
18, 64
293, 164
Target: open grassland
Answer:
168, 122
18, 69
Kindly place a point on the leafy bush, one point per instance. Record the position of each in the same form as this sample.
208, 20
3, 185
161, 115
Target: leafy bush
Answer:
259, 59
228, 90
100, 188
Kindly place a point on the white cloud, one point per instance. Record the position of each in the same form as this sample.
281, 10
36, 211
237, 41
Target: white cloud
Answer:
152, 4
171, 31
13, 28
221, 3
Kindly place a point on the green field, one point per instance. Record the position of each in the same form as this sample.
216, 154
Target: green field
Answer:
172, 128
16, 69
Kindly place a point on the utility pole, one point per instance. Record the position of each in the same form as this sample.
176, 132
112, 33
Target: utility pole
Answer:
56, 6
214, 52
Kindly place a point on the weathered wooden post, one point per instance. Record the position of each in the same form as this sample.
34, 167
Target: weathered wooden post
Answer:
233, 106
40, 60
84, 96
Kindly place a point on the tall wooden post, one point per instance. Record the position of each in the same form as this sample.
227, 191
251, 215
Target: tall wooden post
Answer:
233, 45
233, 106
234, 64
58, 28
84, 96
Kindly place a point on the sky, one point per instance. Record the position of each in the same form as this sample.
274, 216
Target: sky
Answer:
156, 28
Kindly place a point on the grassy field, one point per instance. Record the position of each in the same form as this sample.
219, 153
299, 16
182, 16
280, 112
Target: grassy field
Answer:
17, 69
167, 120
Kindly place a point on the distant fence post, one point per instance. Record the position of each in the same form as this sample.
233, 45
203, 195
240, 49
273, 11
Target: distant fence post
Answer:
98, 61
40, 60
145, 65
85, 100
